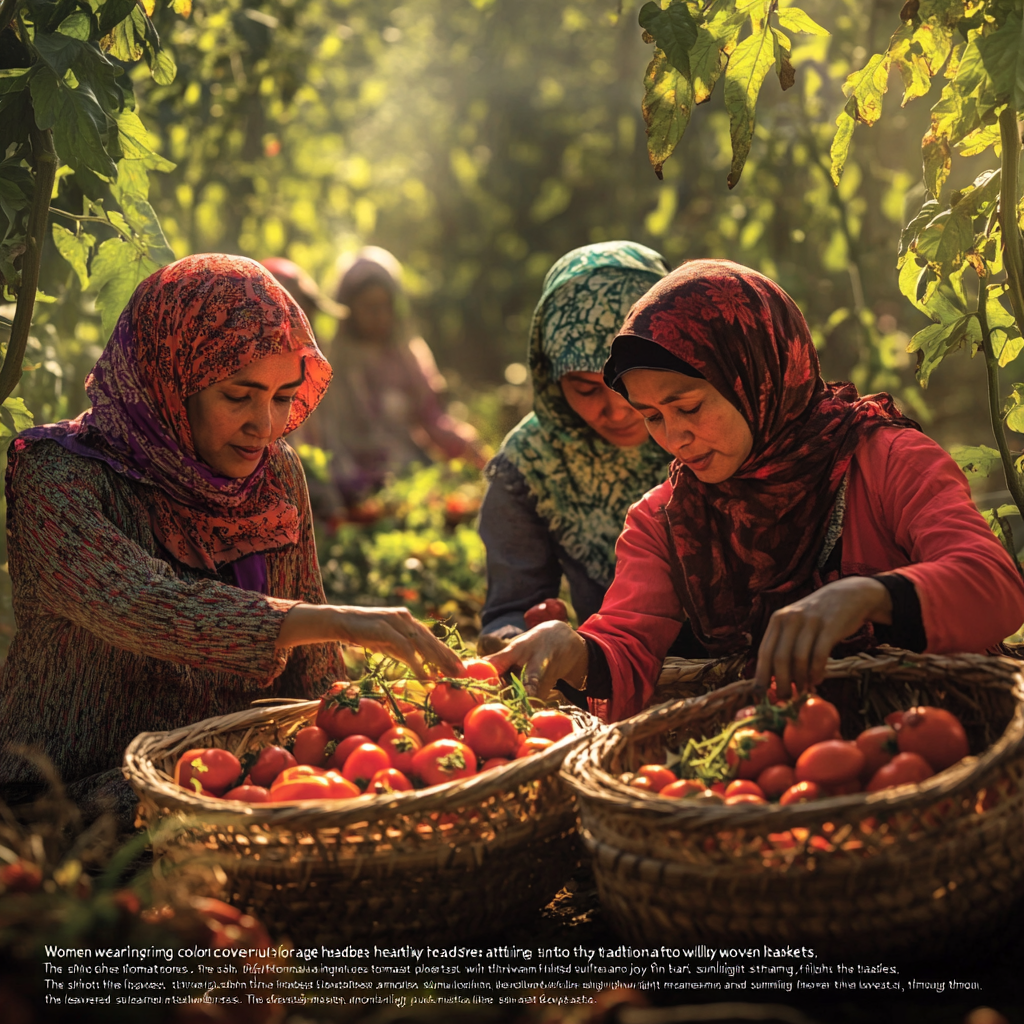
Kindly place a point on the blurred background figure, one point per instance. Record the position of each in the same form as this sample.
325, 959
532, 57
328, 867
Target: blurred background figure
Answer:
382, 412
303, 289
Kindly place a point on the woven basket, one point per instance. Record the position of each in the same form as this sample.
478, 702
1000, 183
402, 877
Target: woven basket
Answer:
914, 870
464, 858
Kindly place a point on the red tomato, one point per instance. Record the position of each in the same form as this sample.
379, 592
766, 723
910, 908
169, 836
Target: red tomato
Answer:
371, 717
248, 794
452, 703
935, 734
830, 762
551, 725
488, 729
739, 786
879, 747
181, 771
441, 731
309, 745
744, 798
533, 745
801, 793
903, 768
310, 787
389, 780
774, 781
774, 696
270, 763
416, 719
344, 748
364, 762
477, 668
660, 775
845, 788
718, 787
751, 751
816, 720
213, 769
443, 761
298, 771
640, 781
551, 610
895, 720
494, 762
21, 876
682, 788
341, 788
748, 712
400, 743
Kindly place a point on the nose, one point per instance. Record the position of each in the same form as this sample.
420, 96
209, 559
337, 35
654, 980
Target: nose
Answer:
677, 436
617, 411
260, 425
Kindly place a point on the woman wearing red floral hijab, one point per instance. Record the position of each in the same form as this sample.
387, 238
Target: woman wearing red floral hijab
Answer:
796, 516
160, 545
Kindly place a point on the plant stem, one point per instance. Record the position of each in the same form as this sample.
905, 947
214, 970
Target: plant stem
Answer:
7, 11
1013, 248
1014, 484
45, 160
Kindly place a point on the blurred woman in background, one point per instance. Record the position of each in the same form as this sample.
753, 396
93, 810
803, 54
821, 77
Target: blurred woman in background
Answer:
382, 412
564, 478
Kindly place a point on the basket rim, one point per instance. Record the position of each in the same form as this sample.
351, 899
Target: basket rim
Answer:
149, 782
584, 772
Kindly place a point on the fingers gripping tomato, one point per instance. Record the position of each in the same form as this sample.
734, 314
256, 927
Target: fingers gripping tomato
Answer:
344, 711
270, 763
490, 731
751, 751
816, 720
551, 725
443, 761
400, 744
213, 769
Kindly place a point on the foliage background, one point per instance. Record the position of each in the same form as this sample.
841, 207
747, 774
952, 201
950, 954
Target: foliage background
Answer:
481, 139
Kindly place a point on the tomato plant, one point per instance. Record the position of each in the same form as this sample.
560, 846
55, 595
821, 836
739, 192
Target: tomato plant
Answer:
400, 743
443, 761
750, 751
346, 711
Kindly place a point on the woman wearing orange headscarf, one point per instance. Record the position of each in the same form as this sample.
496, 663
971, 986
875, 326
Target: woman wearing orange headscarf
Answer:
161, 549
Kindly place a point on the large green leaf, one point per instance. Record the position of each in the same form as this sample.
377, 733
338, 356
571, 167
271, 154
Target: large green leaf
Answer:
1014, 409
75, 249
667, 105
145, 225
135, 142
936, 158
750, 62
674, 31
795, 20
118, 268
113, 12
975, 460
866, 89
934, 343
78, 121
14, 417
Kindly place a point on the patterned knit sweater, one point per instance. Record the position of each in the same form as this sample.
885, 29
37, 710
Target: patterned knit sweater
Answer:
115, 638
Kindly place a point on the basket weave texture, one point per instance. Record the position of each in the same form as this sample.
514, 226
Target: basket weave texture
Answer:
465, 858
914, 870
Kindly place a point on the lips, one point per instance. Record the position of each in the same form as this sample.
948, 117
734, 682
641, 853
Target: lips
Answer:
699, 463
251, 454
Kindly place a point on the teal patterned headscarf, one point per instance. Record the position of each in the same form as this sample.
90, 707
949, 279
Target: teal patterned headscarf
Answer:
583, 484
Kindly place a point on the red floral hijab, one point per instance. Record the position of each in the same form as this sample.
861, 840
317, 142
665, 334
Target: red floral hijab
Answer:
191, 324
750, 545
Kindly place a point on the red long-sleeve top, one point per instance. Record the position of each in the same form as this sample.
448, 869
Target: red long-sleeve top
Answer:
908, 510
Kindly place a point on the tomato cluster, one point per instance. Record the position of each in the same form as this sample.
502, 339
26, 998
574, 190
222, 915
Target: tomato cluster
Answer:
793, 752
357, 745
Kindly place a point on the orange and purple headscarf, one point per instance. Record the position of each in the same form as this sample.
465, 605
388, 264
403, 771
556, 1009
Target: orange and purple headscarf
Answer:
190, 325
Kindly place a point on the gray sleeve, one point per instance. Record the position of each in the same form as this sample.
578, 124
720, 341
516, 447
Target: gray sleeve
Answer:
522, 563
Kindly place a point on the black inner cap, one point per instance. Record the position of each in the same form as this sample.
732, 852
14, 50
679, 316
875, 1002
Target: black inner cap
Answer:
632, 353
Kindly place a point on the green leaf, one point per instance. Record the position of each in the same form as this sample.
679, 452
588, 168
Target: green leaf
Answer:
866, 89
998, 52
667, 105
75, 249
125, 40
114, 12
935, 342
795, 20
14, 417
745, 73
161, 67
77, 26
146, 226
118, 267
674, 31
1014, 409
975, 460
707, 62
841, 144
936, 158
78, 122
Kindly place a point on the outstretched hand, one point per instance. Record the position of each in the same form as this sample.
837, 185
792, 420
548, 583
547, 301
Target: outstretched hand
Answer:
800, 637
546, 653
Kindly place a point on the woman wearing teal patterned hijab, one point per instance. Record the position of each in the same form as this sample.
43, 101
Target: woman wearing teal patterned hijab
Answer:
565, 476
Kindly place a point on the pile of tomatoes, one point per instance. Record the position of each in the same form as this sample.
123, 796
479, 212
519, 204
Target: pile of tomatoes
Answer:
366, 742
793, 752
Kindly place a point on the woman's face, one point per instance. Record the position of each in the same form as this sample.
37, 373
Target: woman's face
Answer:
604, 411
692, 421
234, 420
373, 313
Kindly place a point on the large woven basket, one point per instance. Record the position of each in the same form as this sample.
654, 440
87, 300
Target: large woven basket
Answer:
462, 859
914, 870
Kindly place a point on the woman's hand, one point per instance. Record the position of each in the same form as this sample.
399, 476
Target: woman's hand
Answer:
801, 636
389, 631
548, 652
